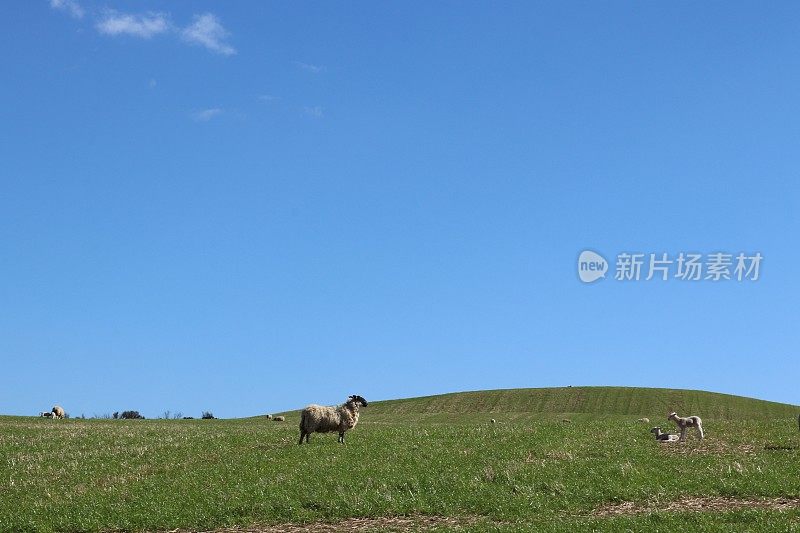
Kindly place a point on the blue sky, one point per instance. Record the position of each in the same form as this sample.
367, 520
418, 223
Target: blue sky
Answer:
250, 206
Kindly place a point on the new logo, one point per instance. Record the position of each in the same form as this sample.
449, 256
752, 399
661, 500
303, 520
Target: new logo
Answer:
591, 266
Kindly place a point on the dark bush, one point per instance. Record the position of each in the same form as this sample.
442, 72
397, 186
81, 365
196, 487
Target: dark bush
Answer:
208, 415
130, 415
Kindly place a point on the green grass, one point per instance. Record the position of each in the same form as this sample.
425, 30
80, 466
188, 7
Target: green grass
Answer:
593, 401
529, 471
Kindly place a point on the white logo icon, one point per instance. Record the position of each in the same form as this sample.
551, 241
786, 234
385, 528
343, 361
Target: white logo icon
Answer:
591, 266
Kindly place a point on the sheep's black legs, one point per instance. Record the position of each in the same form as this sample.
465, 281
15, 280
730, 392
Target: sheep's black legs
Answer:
304, 434
341, 437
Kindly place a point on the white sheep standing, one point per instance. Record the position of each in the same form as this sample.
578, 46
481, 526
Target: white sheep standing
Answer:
684, 423
663, 437
58, 411
323, 419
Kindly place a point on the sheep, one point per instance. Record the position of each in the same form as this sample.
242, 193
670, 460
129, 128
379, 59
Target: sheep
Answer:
269, 417
321, 419
663, 437
684, 423
645, 420
58, 411
46, 415
278, 418
493, 421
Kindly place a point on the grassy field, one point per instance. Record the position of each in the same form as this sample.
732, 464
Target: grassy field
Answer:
425, 463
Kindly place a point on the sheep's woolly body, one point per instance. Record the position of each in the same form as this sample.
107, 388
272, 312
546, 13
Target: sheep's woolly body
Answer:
324, 419
58, 411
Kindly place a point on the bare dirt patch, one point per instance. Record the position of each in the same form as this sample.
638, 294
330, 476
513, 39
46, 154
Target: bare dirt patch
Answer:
698, 504
352, 525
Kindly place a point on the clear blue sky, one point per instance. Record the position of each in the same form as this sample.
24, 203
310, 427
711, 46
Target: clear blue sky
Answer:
250, 206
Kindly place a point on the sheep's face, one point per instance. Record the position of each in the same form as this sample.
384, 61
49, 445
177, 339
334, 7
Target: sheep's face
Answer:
357, 400
655, 430
672, 415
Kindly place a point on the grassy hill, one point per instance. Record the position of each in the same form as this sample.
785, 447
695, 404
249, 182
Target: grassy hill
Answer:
421, 464
586, 401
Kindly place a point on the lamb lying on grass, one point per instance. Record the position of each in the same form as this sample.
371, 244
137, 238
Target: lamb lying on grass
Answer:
663, 437
686, 423
322, 419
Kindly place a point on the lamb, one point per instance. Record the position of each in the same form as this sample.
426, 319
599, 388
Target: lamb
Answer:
58, 411
46, 415
645, 420
278, 418
321, 419
684, 423
663, 437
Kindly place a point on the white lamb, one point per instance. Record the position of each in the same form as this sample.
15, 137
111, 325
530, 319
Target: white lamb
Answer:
663, 437
684, 423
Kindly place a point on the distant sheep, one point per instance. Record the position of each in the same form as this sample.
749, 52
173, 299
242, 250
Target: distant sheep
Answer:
278, 418
493, 421
48, 414
663, 437
269, 417
686, 423
321, 419
58, 411
645, 420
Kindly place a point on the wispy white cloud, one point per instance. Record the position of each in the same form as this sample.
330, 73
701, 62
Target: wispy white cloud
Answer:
206, 30
142, 26
204, 115
308, 67
314, 111
70, 6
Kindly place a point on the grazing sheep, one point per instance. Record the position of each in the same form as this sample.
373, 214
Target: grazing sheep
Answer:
278, 418
493, 421
269, 417
686, 423
645, 420
46, 415
663, 437
58, 411
321, 419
